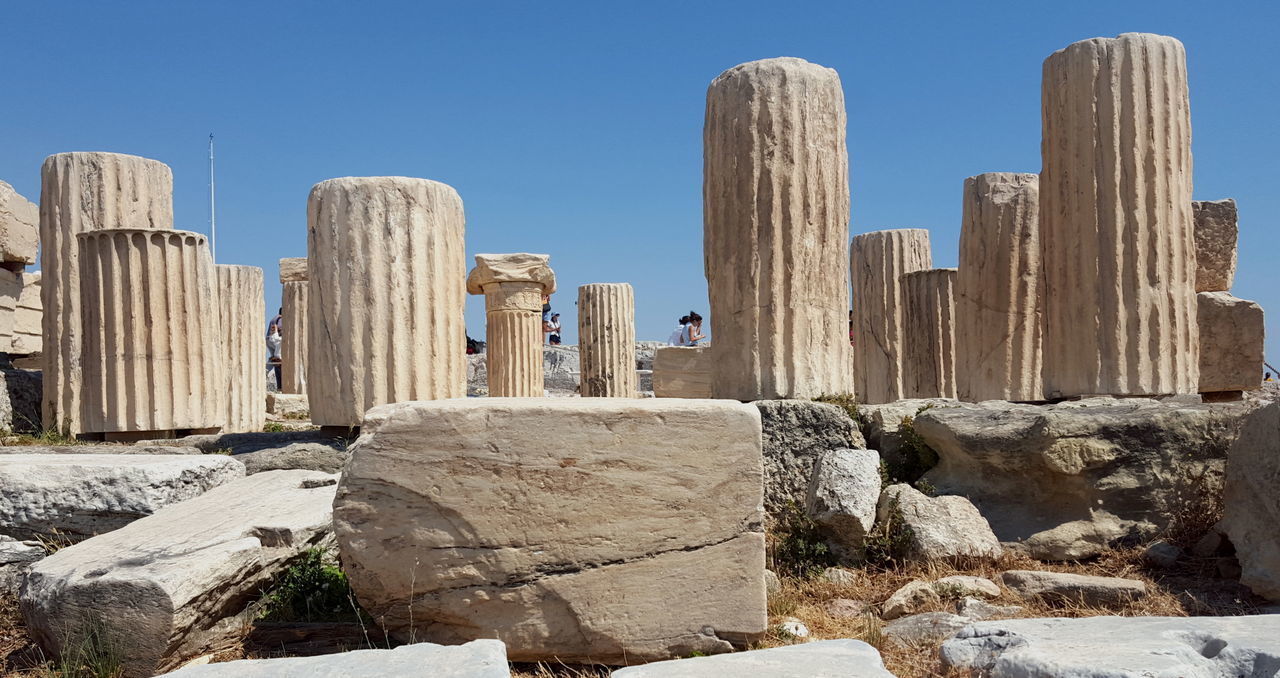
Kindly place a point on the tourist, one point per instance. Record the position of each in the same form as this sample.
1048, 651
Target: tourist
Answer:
273, 350
677, 336
693, 332
276, 322
552, 328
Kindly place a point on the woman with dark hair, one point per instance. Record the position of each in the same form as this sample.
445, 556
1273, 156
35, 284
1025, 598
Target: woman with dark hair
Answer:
553, 330
694, 330
677, 337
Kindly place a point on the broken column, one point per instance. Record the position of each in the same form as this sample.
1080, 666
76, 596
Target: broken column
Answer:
929, 325
385, 304
293, 330
776, 217
998, 289
877, 262
1117, 238
241, 315
152, 363
1216, 231
513, 286
607, 340
86, 192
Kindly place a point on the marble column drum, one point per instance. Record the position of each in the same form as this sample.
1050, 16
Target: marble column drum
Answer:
293, 333
929, 325
607, 340
878, 261
513, 286
241, 315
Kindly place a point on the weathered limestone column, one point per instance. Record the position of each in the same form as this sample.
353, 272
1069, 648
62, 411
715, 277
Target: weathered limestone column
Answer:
27, 334
776, 223
86, 192
293, 333
1117, 240
929, 324
998, 289
513, 285
607, 340
385, 301
152, 350
877, 261
241, 315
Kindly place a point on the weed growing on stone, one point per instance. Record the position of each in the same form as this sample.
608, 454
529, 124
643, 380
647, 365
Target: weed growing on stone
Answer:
273, 427
918, 456
844, 401
796, 546
312, 590
889, 541
89, 655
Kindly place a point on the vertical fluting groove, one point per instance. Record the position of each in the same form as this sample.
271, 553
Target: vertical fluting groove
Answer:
997, 293
385, 266
1117, 238
514, 339
877, 262
607, 340
293, 345
775, 239
149, 337
241, 314
929, 341
85, 192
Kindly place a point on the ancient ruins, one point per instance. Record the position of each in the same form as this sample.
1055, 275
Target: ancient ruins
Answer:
875, 465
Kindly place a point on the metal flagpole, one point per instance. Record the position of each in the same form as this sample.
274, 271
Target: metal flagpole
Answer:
213, 216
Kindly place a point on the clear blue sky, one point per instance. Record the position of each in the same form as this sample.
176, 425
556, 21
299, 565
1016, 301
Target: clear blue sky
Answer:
575, 129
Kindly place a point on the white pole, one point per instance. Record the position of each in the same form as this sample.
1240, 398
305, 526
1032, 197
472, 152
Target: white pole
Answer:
213, 217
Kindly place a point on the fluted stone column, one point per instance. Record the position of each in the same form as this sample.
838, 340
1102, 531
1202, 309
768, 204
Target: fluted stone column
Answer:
776, 223
607, 340
513, 286
152, 350
1117, 238
877, 261
293, 333
998, 289
241, 315
85, 192
385, 303
929, 317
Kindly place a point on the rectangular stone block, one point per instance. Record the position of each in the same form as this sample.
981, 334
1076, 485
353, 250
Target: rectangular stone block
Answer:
293, 269
179, 584
1216, 233
27, 317
585, 530
1232, 335
19, 227
682, 372
10, 291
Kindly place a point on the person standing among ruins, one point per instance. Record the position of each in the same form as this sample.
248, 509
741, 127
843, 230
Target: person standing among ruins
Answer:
552, 328
677, 337
273, 350
693, 331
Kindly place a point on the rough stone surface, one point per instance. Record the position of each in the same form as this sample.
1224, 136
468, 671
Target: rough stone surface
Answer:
1162, 554
682, 372
1251, 503
561, 367
882, 426
1117, 235
179, 584
1118, 647
108, 448
80, 495
911, 598
963, 585
776, 227
928, 323
16, 557
82, 192
978, 609
289, 405
1232, 338
877, 262
1083, 589
10, 292
293, 269
819, 659
477, 659
457, 518
304, 456
27, 337
513, 286
842, 497
941, 527
1066, 480
20, 392
844, 608
929, 628
1216, 232
243, 443
152, 359
385, 304
241, 317
796, 433
607, 340
998, 289
19, 227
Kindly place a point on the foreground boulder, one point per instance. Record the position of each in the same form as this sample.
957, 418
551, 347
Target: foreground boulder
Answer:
1094, 647
16, 557
835, 658
842, 498
1080, 589
1251, 504
634, 536
941, 528
74, 496
302, 456
796, 433
477, 659
1067, 480
178, 584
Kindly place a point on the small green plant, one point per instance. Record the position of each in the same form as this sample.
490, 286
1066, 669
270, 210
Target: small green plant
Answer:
273, 427
889, 541
91, 654
223, 451
926, 488
844, 401
949, 591
49, 436
797, 547
917, 456
312, 590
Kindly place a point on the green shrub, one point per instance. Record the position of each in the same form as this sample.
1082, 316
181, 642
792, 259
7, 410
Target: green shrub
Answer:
844, 401
312, 590
273, 427
796, 545
889, 542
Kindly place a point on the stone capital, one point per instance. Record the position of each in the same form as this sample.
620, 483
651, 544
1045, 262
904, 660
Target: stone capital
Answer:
511, 268
293, 269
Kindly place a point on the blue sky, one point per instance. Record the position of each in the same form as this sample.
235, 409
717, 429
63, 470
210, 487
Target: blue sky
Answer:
575, 129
